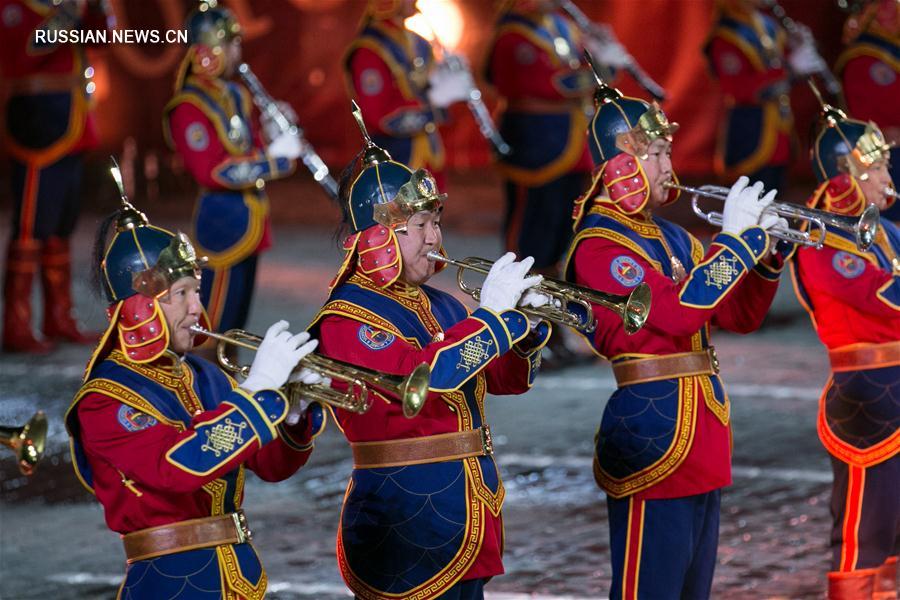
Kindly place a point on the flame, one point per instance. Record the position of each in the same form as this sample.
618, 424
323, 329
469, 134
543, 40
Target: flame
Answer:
438, 18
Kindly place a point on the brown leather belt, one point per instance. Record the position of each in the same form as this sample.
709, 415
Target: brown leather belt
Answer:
869, 356
186, 535
669, 366
44, 84
421, 450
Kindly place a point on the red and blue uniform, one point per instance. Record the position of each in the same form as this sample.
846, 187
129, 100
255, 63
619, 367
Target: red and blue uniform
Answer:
162, 439
853, 298
387, 69
210, 123
870, 70
663, 449
418, 530
535, 64
746, 52
168, 441
48, 127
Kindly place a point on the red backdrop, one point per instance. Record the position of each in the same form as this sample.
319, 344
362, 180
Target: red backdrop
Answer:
296, 46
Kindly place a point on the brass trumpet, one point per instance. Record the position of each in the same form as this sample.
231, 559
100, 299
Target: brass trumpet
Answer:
864, 228
575, 301
27, 441
412, 390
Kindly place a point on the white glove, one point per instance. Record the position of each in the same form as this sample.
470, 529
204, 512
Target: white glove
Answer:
307, 377
276, 357
744, 207
771, 221
447, 86
506, 282
608, 51
805, 60
535, 299
285, 145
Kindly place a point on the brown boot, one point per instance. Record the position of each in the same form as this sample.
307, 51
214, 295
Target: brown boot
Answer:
886, 580
21, 264
851, 585
56, 277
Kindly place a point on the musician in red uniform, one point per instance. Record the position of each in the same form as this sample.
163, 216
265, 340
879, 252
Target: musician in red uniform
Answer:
870, 70
535, 64
48, 128
421, 517
162, 438
663, 449
402, 91
210, 123
853, 298
755, 64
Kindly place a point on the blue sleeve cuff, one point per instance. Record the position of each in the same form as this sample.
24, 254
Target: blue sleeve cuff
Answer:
301, 437
508, 327
749, 247
263, 410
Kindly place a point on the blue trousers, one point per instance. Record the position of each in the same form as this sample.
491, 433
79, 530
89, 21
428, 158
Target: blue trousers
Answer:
46, 200
865, 510
226, 294
663, 548
538, 220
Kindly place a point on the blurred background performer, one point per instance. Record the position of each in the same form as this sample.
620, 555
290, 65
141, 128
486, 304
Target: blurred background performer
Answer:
162, 438
751, 57
663, 449
48, 129
535, 64
393, 75
853, 298
870, 70
381, 315
210, 123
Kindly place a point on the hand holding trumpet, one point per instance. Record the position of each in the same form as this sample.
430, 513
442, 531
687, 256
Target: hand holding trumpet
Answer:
277, 357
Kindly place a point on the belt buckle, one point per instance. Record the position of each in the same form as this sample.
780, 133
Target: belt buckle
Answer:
713, 359
240, 524
487, 442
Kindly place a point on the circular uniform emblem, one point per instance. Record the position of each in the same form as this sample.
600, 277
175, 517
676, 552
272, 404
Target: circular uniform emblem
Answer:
132, 419
882, 74
375, 339
848, 265
196, 137
370, 81
626, 271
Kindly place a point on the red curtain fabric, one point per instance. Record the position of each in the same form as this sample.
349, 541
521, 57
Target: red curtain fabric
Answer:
296, 49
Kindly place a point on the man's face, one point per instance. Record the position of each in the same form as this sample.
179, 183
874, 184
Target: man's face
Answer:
879, 178
423, 234
181, 308
658, 167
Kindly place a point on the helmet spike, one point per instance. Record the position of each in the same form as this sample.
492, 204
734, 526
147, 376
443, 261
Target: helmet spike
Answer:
357, 114
129, 216
604, 92
829, 113
372, 154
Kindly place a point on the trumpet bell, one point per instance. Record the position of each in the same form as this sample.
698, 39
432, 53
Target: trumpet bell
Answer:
27, 441
414, 390
637, 308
